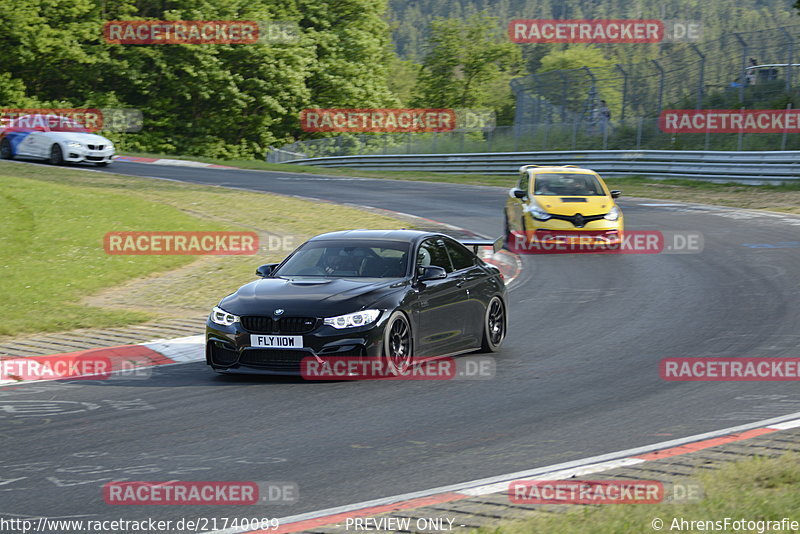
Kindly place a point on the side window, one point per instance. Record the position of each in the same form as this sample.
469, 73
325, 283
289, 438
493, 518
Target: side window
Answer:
433, 252
460, 256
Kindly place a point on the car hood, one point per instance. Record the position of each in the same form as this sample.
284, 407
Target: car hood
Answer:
570, 205
80, 137
305, 297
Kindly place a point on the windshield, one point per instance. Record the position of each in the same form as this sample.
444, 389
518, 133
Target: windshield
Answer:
567, 184
348, 259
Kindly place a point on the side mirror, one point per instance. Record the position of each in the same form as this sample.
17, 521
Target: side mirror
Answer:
520, 193
615, 193
432, 272
265, 270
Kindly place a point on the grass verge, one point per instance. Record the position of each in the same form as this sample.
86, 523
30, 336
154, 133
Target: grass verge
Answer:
783, 198
55, 273
753, 489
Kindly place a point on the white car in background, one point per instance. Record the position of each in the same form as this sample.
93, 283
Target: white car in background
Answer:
53, 138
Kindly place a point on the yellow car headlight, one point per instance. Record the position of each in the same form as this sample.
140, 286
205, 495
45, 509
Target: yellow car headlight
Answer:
612, 215
537, 212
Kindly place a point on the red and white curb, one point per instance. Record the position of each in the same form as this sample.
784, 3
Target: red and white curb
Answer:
510, 264
497, 484
121, 359
171, 162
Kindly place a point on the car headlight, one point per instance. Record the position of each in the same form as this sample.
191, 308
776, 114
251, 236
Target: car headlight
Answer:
537, 212
220, 316
612, 215
74, 144
351, 320
110, 146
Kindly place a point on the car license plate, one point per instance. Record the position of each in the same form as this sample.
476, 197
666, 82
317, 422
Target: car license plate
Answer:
276, 342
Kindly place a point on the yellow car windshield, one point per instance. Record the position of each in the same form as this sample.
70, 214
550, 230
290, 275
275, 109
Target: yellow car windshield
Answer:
567, 184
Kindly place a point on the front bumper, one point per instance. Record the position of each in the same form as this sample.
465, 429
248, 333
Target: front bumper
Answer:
554, 236
78, 155
228, 348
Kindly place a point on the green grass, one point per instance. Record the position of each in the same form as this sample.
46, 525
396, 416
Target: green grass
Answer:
52, 260
52, 251
753, 489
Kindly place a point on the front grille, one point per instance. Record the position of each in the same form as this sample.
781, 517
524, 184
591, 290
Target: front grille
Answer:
578, 220
94, 158
285, 325
222, 356
296, 325
95, 147
274, 359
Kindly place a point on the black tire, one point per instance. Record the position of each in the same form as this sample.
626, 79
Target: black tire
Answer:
495, 325
398, 344
56, 155
5, 149
102, 163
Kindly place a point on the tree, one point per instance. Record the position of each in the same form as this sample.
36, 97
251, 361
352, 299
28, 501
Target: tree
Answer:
465, 63
224, 100
565, 78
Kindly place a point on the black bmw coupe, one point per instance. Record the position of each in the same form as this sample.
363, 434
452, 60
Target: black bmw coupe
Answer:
397, 295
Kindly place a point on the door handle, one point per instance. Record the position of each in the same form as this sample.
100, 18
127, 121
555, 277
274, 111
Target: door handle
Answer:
460, 282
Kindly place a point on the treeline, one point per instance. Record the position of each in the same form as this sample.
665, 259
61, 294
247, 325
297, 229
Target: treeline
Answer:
410, 20
215, 100
234, 101
723, 24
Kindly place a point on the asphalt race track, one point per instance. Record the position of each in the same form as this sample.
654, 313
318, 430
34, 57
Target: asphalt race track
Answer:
578, 375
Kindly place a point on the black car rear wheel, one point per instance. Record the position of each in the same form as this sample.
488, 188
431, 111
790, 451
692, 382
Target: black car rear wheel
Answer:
5, 149
398, 344
56, 155
494, 325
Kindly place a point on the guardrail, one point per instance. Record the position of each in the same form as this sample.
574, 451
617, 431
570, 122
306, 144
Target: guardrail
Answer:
744, 167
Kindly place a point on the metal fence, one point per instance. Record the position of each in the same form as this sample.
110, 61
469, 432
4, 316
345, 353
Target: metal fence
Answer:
686, 75
558, 110
743, 167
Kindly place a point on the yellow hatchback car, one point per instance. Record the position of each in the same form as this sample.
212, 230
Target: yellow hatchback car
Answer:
561, 204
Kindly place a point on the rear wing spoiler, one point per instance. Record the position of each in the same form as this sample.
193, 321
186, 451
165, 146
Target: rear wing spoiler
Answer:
496, 244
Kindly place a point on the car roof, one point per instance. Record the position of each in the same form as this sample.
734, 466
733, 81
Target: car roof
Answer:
404, 235
561, 169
